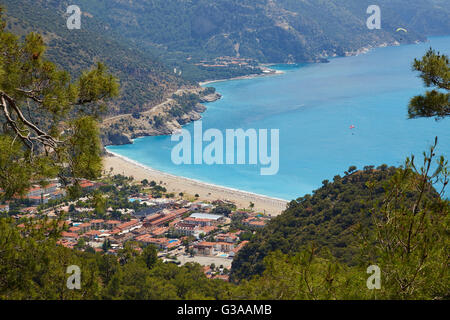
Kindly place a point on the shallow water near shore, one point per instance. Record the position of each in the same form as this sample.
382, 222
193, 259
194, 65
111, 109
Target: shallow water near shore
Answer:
314, 106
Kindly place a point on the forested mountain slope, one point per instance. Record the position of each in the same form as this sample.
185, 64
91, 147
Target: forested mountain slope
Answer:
330, 217
267, 30
144, 80
128, 35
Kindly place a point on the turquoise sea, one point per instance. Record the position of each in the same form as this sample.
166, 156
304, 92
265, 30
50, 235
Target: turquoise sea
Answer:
313, 106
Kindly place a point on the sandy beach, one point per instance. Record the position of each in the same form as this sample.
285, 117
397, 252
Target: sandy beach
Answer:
206, 191
272, 72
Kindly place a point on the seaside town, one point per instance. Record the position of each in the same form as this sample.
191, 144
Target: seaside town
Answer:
252, 66
116, 210
227, 61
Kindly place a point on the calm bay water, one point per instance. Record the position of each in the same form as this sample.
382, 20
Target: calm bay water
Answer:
314, 106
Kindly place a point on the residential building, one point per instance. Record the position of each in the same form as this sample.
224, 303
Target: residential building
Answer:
204, 248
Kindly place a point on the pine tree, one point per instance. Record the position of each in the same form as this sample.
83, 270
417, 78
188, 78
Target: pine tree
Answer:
48, 122
435, 72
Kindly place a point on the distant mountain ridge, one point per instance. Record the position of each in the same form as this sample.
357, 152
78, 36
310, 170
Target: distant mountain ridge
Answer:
267, 30
146, 40
157, 47
145, 81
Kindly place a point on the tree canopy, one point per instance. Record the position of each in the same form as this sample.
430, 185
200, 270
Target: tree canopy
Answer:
49, 122
435, 72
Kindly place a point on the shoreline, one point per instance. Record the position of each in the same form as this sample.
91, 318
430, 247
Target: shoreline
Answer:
250, 76
206, 191
362, 50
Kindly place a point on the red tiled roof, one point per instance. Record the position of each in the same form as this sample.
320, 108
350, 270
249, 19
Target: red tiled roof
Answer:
92, 232
69, 235
128, 224
159, 231
162, 219
180, 211
208, 229
240, 246
86, 184
86, 224
222, 277
205, 244
113, 222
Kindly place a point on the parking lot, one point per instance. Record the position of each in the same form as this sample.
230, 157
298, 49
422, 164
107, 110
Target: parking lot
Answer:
206, 261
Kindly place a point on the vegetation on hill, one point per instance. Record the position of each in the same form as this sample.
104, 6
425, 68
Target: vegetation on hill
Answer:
319, 248
332, 214
265, 30
49, 122
435, 72
182, 34
333, 217
34, 267
328, 218
407, 238
155, 47
145, 81
184, 106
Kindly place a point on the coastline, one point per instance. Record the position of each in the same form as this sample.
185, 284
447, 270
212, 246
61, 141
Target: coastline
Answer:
137, 127
272, 72
206, 191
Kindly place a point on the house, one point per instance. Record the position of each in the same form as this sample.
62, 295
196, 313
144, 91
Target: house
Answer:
97, 224
91, 235
179, 212
38, 194
160, 243
29, 210
75, 230
223, 246
66, 243
227, 237
69, 236
111, 224
204, 230
159, 231
204, 248
174, 222
129, 226
255, 222
159, 219
207, 271
4, 207
221, 277
84, 227
204, 219
185, 229
190, 229
87, 185
237, 249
